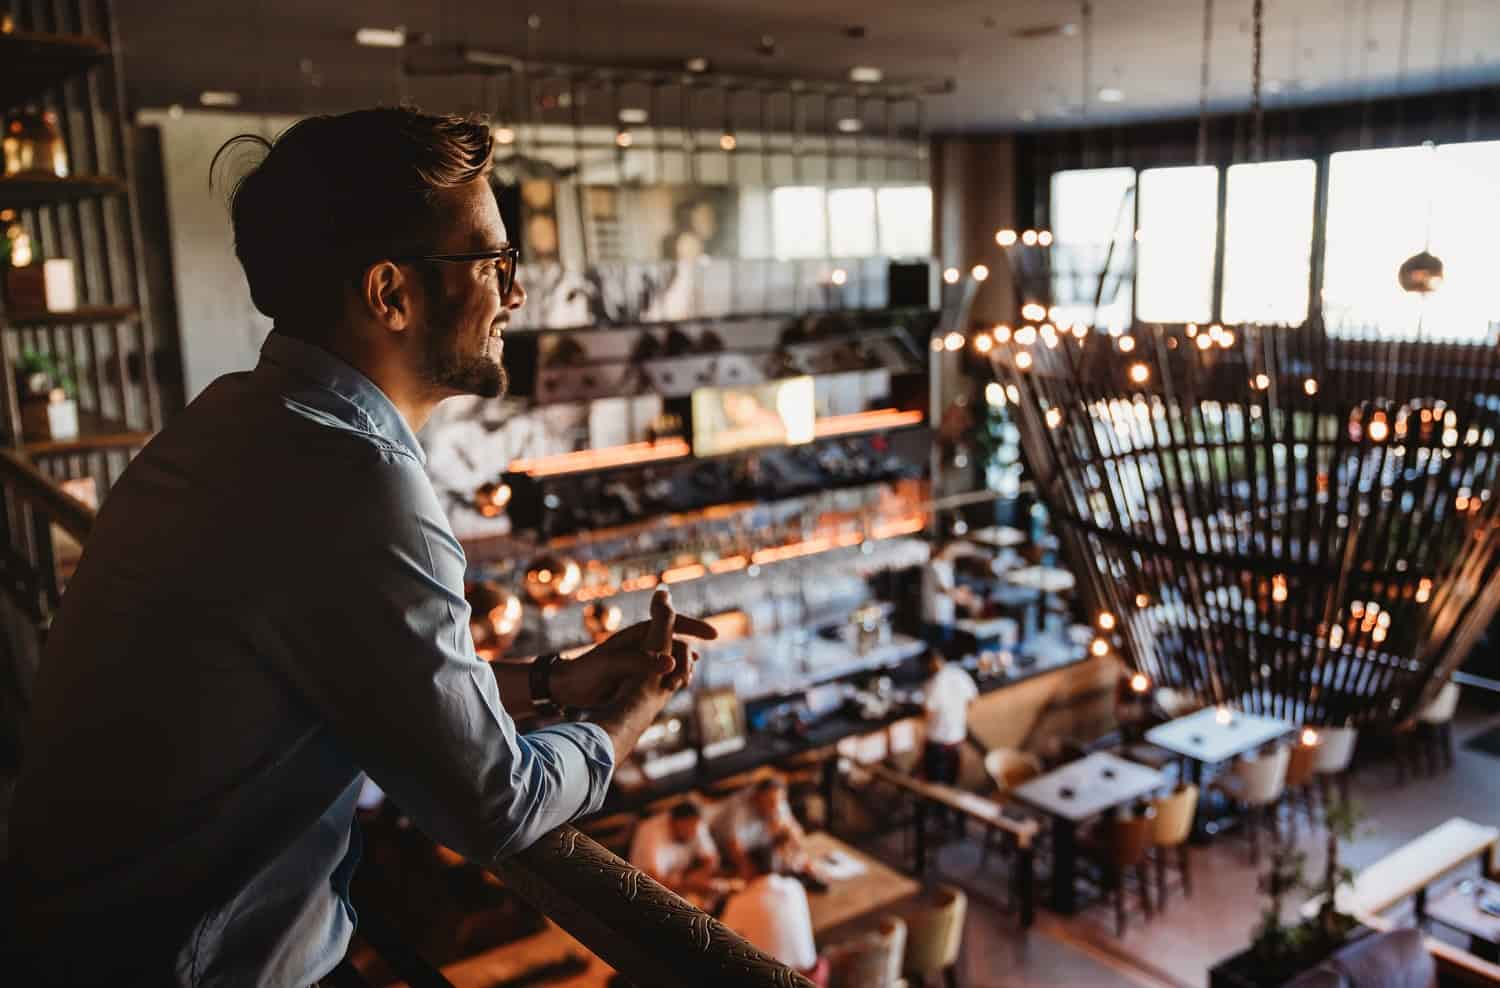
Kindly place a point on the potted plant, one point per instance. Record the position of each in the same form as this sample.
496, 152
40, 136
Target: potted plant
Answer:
1279, 952
49, 409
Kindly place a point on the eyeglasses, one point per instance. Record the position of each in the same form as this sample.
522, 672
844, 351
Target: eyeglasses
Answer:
506, 258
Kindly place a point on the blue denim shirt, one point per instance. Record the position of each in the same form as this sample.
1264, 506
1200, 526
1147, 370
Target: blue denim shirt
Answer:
270, 605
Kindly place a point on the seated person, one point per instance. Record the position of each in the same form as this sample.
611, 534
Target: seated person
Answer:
756, 818
675, 849
771, 912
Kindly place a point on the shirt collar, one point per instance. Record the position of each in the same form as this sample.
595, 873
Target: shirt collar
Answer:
363, 404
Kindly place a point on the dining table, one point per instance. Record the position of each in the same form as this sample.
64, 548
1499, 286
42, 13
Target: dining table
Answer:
1045, 581
1212, 736
1075, 793
856, 885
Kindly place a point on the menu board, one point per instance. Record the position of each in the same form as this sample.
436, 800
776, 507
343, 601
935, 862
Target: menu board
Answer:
778, 413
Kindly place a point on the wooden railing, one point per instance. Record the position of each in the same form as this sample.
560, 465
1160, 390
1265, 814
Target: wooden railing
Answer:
644, 931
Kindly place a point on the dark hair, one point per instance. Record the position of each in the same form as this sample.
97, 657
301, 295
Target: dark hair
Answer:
764, 860
770, 783
686, 810
334, 193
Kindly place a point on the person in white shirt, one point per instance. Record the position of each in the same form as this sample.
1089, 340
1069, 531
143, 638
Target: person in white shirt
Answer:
675, 848
946, 699
772, 913
760, 817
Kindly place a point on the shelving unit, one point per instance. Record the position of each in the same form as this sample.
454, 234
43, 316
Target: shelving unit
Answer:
63, 57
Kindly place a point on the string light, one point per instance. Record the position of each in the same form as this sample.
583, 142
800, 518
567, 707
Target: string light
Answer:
1192, 330
979, 273
1106, 620
1126, 344
1140, 373
1100, 647
950, 276
954, 341
1033, 312
623, 138
1002, 333
1379, 431
1049, 335
994, 394
1262, 382
1309, 738
727, 141
1142, 601
1278, 589
1139, 683
1204, 342
839, 276
1005, 238
1023, 360
1226, 339
1424, 590
1054, 418
504, 135
1026, 335
1310, 386
984, 342
1044, 238
1029, 238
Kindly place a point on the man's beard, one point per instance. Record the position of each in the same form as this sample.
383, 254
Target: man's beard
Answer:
449, 368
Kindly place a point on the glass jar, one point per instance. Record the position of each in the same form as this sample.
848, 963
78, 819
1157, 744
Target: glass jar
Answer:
33, 144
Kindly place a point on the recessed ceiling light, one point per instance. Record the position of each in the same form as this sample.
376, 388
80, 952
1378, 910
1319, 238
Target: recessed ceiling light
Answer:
219, 97
175, 111
1273, 86
850, 125
1109, 94
633, 115
697, 64
865, 73
381, 37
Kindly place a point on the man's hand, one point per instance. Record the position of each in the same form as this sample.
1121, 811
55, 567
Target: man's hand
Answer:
644, 674
599, 677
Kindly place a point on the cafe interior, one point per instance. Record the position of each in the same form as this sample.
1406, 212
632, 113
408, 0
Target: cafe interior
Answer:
1076, 419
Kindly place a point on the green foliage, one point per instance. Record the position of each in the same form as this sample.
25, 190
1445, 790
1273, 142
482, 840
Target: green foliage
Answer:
33, 362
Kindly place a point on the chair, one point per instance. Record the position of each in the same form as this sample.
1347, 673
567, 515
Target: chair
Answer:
1010, 767
1435, 722
1174, 824
1007, 768
1124, 848
1396, 959
872, 960
934, 934
1256, 784
1301, 766
1335, 754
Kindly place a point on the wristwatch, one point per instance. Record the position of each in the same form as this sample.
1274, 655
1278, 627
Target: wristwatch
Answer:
540, 677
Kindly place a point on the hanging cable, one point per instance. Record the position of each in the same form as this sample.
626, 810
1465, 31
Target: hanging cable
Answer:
1208, 35
1257, 112
1402, 54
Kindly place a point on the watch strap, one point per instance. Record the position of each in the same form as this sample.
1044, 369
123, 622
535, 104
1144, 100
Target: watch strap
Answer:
540, 679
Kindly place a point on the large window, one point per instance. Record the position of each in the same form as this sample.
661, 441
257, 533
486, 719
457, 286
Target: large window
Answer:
1386, 205
851, 222
905, 220
799, 222
1178, 230
1268, 230
1092, 223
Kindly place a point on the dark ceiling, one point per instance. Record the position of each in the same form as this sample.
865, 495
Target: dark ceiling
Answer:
293, 56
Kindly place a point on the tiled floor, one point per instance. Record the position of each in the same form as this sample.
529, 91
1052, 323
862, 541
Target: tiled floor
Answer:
1177, 947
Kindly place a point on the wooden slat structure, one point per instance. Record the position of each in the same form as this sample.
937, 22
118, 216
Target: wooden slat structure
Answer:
1281, 519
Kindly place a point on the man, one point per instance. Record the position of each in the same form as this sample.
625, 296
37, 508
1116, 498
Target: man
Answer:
945, 701
760, 817
772, 913
271, 602
674, 847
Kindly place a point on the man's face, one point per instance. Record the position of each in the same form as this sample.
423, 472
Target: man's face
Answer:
768, 803
464, 315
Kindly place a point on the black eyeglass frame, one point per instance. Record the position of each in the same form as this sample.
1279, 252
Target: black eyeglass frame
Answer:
506, 252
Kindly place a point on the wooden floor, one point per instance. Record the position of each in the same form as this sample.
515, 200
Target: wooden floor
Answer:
1174, 949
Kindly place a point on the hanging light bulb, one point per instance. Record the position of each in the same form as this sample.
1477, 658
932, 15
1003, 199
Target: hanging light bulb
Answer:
1033, 311
1106, 620
979, 273
1379, 430
1126, 344
950, 276
1421, 273
1139, 683
727, 141
1029, 238
984, 342
1023, 360
504, 135
839, 277
623, 138
1140, 373
1044, 238
1005, 238
1002, 333
954, 341
1310, 386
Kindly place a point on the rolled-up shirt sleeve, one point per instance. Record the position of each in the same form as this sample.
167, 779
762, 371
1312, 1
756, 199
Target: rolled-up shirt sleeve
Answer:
386, 656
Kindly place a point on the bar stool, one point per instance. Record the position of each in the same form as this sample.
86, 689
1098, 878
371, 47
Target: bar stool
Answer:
1335, 754
1174, 824
934, 934
1256, 784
